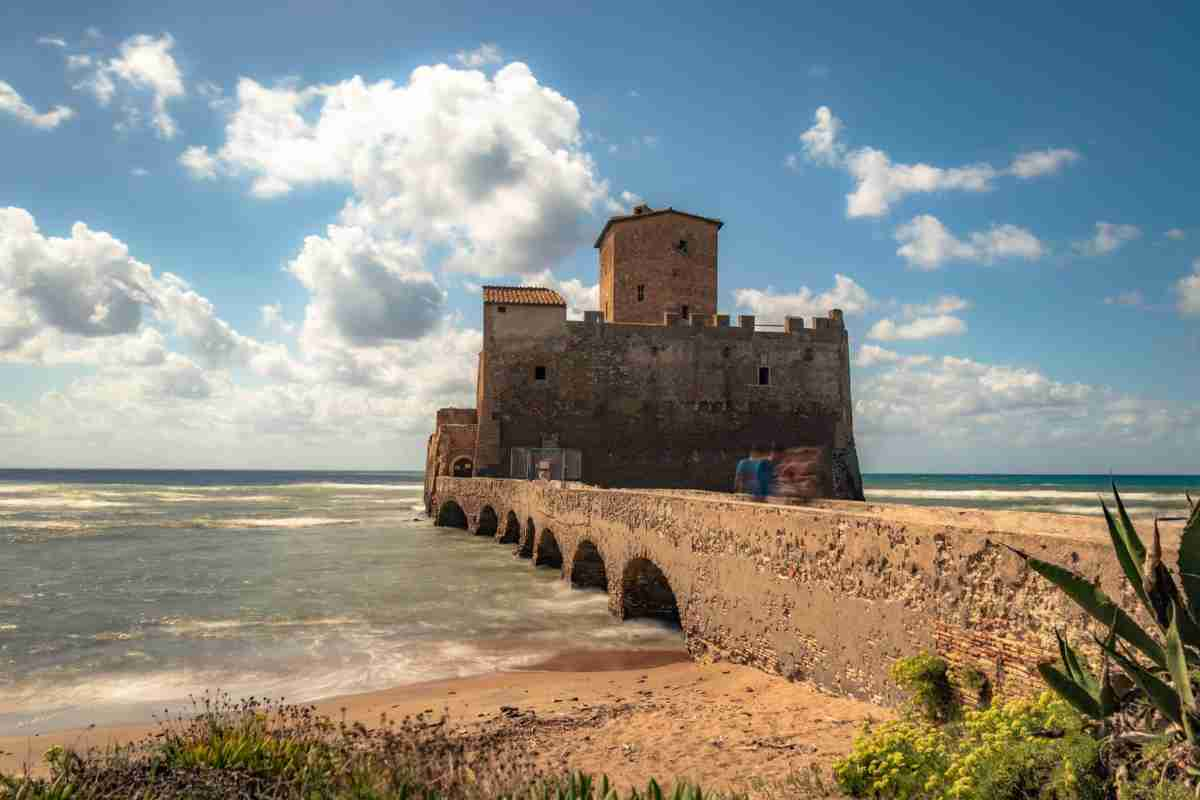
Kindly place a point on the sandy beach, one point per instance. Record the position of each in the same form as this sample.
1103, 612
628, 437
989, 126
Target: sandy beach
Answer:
631, 715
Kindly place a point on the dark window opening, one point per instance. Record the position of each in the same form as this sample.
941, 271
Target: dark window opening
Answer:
683, 312
501, 309
641, 292
682, 246
539, 373
764, 376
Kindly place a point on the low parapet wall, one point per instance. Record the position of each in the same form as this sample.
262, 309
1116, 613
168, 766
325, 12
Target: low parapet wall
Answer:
831, 593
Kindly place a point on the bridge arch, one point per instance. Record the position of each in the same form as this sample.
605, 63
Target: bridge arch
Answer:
646, 592
525, 547
587, 567
512, 529
487, 522
451, 515
547, 552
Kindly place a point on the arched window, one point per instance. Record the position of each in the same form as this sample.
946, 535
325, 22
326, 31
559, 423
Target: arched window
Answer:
462, 468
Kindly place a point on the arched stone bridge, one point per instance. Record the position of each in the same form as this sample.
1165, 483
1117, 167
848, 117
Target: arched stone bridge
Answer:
830, 592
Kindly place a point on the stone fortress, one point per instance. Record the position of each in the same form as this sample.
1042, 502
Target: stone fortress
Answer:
655, 388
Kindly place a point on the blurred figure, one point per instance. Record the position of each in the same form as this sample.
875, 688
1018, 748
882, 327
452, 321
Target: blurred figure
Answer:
755, 474
800, 474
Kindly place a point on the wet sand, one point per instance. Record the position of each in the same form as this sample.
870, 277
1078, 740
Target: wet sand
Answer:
631, 715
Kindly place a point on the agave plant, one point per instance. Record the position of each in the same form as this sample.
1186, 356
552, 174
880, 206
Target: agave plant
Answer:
1171, 651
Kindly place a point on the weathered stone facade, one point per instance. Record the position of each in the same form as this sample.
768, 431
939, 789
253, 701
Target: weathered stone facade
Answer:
831, 592
657, 262
649, 398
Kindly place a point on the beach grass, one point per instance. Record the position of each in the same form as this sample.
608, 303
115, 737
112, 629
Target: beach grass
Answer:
257, 748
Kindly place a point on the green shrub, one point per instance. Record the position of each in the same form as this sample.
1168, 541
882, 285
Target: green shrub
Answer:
1021, 749
979, 685
927, 677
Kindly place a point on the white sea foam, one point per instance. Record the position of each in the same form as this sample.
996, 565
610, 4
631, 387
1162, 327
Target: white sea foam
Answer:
192, 626
367, 487
8, 627
49, 502
46, 525
1012, 494
278, 522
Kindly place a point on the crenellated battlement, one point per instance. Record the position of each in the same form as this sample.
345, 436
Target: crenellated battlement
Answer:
823, 329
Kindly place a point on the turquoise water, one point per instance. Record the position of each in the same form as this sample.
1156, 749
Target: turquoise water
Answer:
123, 592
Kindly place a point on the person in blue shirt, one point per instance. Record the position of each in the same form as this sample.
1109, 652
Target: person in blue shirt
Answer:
745, 477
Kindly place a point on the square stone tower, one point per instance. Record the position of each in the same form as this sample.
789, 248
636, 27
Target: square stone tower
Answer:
657, 261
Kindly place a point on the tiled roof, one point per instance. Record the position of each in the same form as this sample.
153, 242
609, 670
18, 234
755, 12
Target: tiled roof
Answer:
653, 213
522, 296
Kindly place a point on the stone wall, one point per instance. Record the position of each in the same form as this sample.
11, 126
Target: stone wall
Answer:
671, 256
454, 437
832, 592
669, 406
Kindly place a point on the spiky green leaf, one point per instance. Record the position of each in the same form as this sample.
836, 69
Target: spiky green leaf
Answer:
1094, 601
1178, 668
1161, 694
1071, 691
1077, 668
1189, 560
1131, 565
1136, 548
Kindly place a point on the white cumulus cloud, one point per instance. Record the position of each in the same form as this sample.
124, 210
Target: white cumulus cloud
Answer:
1188, 289
1178, 234
490, 171
845, 294
1108, 238
887, 330
1042, 162
482, 56
925, 243
12, 103
871, 355
144, 65
881, 182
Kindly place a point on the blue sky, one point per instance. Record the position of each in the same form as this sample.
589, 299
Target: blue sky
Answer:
287, 214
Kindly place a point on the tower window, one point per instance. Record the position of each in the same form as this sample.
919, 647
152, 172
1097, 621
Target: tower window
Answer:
683, 312
539, 373
641, 292
764, 376
501, 309
682, 246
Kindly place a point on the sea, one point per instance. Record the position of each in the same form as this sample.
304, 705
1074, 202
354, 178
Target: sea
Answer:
124, 592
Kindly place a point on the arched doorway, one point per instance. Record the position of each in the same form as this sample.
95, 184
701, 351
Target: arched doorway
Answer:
463, 467
451, 515
647, 593
588, 568
548, 553
487, 522
512, 530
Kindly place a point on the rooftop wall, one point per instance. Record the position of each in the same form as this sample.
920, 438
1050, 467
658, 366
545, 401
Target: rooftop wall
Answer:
669, 405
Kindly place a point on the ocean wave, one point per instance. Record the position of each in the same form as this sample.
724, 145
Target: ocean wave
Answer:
50, 502
277, 522
1015, 494
367, 487
8, 627
45, 525
215, 626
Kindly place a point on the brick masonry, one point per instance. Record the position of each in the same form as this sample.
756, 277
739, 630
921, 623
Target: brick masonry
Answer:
831, 592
